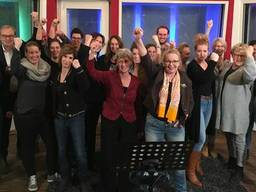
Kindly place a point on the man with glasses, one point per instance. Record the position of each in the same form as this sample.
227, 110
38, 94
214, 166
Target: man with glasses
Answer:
76, 40
8, 54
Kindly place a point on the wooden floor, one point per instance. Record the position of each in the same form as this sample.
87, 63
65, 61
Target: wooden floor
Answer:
15, 180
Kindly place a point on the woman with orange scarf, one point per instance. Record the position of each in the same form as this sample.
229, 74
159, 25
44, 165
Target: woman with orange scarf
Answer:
169, 100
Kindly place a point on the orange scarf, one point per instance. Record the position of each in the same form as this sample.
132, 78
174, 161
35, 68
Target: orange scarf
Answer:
172, 111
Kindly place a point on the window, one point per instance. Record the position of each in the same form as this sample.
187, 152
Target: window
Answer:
91, 16
183, 20
17, 14
250, 22
76, 18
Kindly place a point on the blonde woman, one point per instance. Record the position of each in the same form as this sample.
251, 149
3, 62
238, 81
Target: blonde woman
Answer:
169, 100
233, 104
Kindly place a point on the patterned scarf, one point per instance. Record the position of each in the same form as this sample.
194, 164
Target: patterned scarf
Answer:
172, 111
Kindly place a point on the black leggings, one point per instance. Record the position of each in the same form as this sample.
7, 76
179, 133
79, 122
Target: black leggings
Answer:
29, 126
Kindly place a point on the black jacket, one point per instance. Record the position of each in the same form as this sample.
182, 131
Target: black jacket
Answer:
70, 94
7, 98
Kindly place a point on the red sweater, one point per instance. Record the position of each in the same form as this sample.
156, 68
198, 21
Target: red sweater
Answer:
117, 103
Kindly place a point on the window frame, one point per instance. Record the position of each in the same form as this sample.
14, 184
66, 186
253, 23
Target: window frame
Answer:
103, 5
225, 3
239, 21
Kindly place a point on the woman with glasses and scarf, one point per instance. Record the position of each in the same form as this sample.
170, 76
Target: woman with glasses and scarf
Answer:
169, 100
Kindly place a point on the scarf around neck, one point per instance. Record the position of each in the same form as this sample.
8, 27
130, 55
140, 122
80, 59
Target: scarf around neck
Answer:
39, 72
172, 111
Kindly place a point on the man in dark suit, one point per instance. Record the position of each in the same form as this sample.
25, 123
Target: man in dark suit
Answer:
8, 55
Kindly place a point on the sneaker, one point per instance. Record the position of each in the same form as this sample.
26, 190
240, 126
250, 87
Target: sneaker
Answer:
52, 178
32, 183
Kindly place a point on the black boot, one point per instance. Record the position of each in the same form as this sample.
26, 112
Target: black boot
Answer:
3, 167
64, 185
237, 175
85, 185
231, 163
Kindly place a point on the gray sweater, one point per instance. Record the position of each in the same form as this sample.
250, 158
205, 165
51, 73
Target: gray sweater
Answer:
233, 102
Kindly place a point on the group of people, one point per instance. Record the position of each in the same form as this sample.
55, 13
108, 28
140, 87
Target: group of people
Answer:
58, 88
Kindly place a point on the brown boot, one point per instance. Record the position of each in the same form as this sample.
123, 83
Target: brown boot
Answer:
191, 168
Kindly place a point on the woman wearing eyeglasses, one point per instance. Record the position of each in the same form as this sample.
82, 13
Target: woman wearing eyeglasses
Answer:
233, 105
201, 73
169, 101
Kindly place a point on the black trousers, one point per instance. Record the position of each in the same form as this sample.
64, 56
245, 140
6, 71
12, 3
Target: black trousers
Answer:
29, 126
91, 120
115, 135
6, 125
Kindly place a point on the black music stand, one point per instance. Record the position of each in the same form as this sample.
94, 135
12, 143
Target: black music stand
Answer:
147, 162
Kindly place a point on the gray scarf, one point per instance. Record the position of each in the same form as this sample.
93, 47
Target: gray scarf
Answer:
39, 72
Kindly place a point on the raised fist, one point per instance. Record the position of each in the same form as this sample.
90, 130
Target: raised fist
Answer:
214, 57
55, 21
87, 39
249, 51
209, 24
76, 63
138, 33
156, 40
17, 43
43, 21
34, 16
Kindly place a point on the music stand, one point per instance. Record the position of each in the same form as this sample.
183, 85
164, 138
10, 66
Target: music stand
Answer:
148, 161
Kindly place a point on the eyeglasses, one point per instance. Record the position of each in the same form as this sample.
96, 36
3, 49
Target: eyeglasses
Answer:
238, 55
7, 36
76, 38
175, 62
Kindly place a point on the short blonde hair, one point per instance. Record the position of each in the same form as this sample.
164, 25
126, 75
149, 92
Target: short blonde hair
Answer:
239, 47
123, 53
170, 51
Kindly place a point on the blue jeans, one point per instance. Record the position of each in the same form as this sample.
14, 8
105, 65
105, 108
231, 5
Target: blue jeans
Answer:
160, 131
205, 115
74, 126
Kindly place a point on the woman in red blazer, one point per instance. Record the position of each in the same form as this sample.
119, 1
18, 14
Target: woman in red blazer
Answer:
118, 114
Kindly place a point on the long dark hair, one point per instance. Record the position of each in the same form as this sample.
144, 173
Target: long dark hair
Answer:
109, 53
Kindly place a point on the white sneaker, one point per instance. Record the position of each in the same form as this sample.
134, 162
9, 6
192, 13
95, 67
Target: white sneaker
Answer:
52, 178
32, 183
